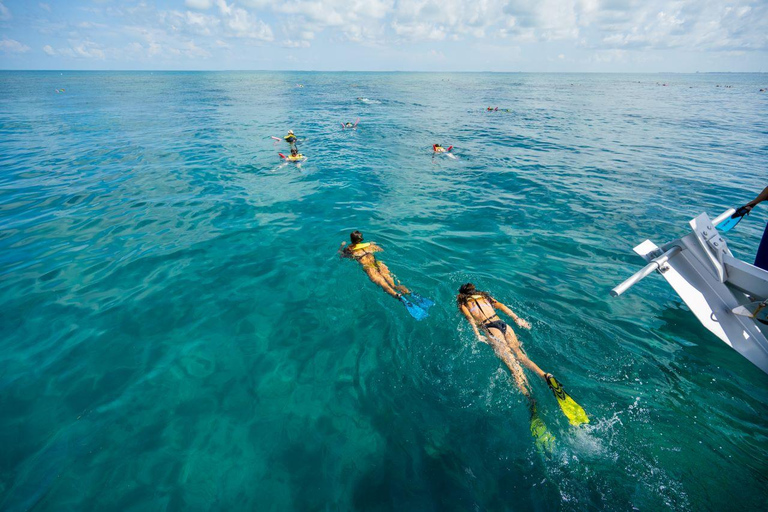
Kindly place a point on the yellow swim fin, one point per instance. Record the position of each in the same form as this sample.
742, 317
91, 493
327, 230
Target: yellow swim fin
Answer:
573, 411
545, 441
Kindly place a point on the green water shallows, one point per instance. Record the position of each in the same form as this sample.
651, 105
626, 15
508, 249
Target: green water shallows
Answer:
177, 332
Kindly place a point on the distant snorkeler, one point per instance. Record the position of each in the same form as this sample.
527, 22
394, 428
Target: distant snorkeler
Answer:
437, 148
479, 309
350, 125
290, 138
377, 272
295, 156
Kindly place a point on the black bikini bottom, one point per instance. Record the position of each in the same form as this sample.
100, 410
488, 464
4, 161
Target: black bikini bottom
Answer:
496, 324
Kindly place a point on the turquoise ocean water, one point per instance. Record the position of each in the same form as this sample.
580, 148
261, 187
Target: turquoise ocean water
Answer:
178, 333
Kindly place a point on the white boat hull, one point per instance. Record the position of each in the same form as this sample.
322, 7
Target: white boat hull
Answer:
722, 291
713, 303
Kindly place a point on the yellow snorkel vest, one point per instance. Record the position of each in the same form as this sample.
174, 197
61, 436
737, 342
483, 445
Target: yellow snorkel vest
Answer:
357, 247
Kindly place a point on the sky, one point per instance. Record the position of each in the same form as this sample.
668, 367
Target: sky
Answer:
386, 35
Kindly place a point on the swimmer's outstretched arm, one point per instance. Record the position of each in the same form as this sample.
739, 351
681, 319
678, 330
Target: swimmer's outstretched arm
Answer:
519, 321
471, 321
343, 253
375, 248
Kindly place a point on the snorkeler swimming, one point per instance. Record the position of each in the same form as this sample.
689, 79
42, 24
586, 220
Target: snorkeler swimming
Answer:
437, 149
350, 125
480, 310
290, 138
377, 271
295, 156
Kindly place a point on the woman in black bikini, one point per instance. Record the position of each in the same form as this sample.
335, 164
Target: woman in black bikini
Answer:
479, 308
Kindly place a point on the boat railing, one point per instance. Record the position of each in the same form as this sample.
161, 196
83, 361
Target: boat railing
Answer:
720, 218
655, 264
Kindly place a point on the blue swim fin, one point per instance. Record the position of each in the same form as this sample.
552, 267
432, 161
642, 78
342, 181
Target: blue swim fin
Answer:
730, 223
423, 302
415, 311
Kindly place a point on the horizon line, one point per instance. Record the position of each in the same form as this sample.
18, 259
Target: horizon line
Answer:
386, 71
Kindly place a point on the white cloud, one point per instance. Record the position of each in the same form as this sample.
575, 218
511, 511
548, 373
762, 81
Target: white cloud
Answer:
294, 44
13, 46
702, 25
198, 4
352, 20
609, 56
5, 14
436, 55
416, 20
190, 49
87, 49
202, 23
90, 24
611, 30
44, 6
420, 31
193, 22
240, 23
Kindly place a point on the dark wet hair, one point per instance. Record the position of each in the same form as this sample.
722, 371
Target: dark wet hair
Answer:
466, 291
356, 237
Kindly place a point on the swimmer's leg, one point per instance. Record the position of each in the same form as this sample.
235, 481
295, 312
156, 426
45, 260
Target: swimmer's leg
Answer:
387, 275
544, 439
496, 339
514, 345
375, 276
